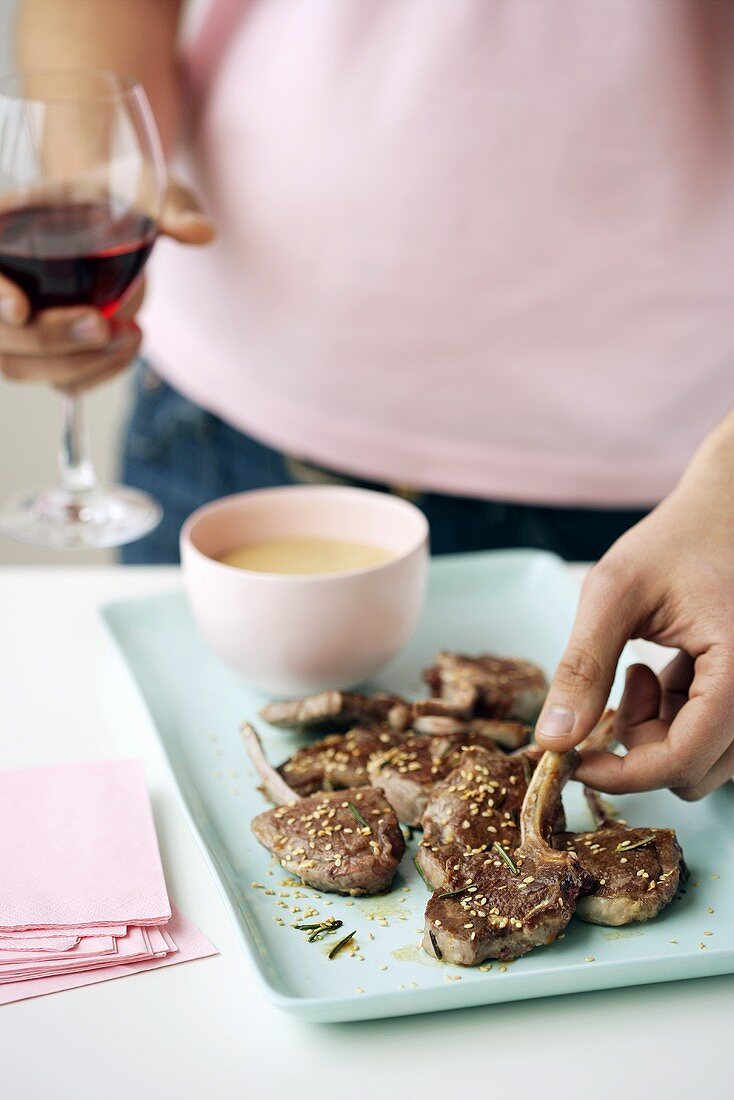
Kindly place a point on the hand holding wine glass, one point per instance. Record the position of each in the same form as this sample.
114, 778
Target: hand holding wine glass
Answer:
76, 348
82, 198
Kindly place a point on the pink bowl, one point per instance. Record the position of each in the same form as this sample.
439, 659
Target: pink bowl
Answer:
293, 635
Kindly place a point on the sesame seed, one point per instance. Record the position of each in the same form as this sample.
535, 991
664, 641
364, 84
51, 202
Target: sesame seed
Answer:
590, 959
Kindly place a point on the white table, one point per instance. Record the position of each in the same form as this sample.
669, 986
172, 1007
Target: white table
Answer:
202, 1029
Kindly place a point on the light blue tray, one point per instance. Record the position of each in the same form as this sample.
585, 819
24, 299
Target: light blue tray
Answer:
518, 602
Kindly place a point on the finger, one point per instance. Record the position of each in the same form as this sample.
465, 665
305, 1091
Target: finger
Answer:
644, 733
56, 332
182, 218
640, 700
696, 740
606, 618
678, 673
15, 309
78, 367
106, 374
721, 772
676, 679
637, 721
132, 304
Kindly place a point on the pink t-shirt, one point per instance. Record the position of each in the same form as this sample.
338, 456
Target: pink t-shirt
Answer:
476, 246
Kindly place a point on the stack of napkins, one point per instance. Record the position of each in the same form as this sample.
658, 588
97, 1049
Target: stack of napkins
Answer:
82, 893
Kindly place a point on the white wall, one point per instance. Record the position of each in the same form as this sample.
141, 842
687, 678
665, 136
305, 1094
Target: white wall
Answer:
29, 424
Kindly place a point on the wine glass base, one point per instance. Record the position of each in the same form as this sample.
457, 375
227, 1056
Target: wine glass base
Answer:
90, 520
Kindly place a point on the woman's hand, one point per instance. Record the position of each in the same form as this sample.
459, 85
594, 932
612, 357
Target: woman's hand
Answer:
75, 348
670, 579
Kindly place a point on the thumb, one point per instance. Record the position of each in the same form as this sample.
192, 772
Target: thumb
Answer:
14, 306
604, 623
182, 218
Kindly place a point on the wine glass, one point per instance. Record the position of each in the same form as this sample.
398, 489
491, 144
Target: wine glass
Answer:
82, 179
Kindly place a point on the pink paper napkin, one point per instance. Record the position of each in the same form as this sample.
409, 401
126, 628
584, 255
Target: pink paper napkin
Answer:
187, 943
52, 934
78, 848
134, 947
58, 943
88, 945
82, 893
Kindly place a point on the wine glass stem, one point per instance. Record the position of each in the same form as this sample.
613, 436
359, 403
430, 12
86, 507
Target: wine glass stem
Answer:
75, 465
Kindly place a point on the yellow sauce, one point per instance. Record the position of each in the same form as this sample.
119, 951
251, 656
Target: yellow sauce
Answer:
306, 555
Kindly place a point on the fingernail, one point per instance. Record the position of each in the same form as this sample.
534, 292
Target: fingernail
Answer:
9, 311
87, 329
556, 722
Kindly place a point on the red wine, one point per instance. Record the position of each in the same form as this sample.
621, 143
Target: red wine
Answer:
75, 254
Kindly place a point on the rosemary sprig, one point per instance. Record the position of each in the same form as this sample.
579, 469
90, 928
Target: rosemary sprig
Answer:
342, 943
436, 948
419, 869
455, 893
626, 846
325, 930
316, 931
505, 857
355, 812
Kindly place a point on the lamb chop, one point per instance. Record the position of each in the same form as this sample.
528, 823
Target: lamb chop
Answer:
635, 872
487, 686
346, 842
409, 772
478, 803
338, 710
511, 903
338, 760
509, 735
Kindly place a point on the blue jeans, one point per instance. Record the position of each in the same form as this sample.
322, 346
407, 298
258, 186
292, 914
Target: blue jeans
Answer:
185, 456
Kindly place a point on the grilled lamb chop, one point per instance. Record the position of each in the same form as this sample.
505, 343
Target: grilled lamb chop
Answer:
510, 735
346, 842
409, 772
338, 710
512, 902
635, 872
337, 761
492, 687
478, 803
